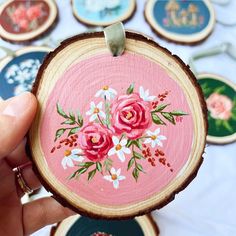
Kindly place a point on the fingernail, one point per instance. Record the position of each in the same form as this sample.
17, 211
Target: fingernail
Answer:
17, 105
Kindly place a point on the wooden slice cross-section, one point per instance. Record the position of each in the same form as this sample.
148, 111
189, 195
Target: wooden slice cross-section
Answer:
83, 226
116, 137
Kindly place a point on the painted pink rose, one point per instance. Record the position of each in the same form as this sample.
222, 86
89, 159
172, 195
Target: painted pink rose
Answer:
95, 140
34, 12
24, 24
131, 115
219, 106
19, 14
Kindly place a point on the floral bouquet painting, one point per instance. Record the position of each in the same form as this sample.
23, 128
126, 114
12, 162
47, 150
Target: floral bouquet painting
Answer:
118, 126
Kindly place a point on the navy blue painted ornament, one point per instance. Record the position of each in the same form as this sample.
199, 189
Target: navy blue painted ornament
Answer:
181, 21
18, 71
84, 226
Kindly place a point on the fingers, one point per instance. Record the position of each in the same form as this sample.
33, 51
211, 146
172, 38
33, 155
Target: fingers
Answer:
18, 157
16, 115
42, 212
30, 179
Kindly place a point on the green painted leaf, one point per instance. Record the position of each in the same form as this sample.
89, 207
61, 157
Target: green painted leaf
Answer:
107, 111
72, 116
60, 111
220, 89
80, 119
129, 143
68, 122
73, 131
168, 117
59, 133
130, 89
135, 173
161, 107
138, 155
86, 164
99, 166
227, 126
81, 171
157, 120
130, 163
134, 142
139, 167
91, 174
108, 164
178, 113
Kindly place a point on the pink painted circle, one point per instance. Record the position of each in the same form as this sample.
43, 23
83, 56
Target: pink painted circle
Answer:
123, 102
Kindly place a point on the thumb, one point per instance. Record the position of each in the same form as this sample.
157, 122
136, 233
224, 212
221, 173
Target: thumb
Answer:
16, 115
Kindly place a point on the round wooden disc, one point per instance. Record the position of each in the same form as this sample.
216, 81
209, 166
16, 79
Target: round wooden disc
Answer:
103, 13
184, 22
18, 72
220, 95
23, 21
83, 226
116, 137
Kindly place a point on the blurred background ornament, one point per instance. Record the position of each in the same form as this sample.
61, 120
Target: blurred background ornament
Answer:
103, 13
23, 21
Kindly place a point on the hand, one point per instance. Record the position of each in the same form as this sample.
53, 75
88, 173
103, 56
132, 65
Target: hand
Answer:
16, 115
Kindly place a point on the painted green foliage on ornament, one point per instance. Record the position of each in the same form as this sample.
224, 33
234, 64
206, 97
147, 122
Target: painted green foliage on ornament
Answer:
221, 105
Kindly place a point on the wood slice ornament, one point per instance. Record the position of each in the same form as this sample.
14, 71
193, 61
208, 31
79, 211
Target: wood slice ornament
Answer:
116, 137
23, 21
83, 226
102, 13
220, 96
179, 21
18, 69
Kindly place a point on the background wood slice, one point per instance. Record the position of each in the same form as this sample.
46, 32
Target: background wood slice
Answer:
90, 18
23, 22
175, 20
71, 75
77, 225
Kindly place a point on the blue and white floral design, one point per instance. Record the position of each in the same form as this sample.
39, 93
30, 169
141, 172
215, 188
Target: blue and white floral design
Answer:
23, 75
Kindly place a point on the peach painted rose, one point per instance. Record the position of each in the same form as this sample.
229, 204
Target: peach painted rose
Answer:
131, 115
34, 12
219, 106
95, 141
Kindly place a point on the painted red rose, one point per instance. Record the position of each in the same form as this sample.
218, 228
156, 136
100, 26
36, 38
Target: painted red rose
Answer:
34, 12
131, 115
95, 140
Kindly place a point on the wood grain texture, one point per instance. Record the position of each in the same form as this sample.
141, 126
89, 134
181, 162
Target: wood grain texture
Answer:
146, 222
91, 44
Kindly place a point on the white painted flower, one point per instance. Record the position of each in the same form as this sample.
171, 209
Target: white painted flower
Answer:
70, 156
11, 71
107, 92
27, 64
114, 177
154, 138
95, 111
119, 148
145, 94
22, 88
